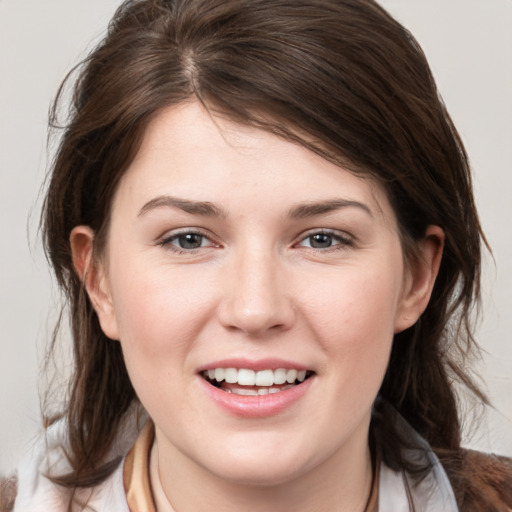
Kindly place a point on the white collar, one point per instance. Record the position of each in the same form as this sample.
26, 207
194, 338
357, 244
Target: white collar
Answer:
433, 494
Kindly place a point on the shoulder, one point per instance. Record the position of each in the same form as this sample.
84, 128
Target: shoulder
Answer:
487, 482
8, 489
46, 458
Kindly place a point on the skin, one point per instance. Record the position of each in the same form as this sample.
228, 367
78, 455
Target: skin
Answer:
257, 287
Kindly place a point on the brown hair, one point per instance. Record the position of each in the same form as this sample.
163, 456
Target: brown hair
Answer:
340, 77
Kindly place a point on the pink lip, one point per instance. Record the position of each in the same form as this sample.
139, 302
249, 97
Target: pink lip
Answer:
256, 365
260, 406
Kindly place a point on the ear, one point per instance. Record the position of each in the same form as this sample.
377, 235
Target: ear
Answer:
420, 276
93, 275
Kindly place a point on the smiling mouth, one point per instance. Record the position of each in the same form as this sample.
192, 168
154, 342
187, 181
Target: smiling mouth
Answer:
248, 382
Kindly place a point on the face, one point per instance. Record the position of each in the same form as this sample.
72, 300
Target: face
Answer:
255, 289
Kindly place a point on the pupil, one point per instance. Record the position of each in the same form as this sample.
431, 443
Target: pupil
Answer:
321, 241
190, 241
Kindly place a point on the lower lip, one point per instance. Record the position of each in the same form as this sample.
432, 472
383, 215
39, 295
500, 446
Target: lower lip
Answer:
260, 406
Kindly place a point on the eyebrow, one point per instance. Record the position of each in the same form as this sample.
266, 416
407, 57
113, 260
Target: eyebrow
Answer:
208, 209
310, 209
193, 207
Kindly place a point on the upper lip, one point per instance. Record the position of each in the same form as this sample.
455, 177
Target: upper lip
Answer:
252, 364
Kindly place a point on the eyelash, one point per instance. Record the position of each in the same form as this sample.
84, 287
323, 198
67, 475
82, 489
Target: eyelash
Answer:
342, 241
167, 242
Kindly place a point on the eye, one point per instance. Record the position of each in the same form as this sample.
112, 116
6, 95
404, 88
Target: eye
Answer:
325, 240
189, 241
186, 241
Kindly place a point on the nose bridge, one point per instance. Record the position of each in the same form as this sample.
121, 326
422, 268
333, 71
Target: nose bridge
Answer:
256, 298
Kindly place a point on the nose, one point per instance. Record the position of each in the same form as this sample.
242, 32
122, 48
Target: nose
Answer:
256, 299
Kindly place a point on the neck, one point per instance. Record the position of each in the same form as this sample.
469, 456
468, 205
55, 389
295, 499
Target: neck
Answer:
341, 483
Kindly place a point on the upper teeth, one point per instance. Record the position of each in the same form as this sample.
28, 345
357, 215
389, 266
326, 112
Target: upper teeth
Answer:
246, 377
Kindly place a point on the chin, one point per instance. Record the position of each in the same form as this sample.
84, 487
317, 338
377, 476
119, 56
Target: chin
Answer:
260, 467
267, 474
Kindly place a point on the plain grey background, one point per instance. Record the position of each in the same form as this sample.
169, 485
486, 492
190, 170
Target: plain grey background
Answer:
469, 46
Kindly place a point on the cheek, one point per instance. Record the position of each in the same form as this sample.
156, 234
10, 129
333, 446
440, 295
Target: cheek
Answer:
151, 303
353, 317
159, 314
353, 304
159, 321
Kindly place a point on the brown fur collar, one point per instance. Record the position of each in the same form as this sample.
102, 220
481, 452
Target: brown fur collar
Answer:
486, 483
8, 487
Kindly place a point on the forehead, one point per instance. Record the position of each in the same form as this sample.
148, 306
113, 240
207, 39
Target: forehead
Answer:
186, 151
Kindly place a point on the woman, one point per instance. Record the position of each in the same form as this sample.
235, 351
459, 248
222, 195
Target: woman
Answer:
262, 217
